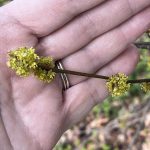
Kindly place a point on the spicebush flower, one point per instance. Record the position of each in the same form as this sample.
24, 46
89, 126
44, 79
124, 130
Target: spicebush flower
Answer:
117, 84
22, 60
145, 87
46, 75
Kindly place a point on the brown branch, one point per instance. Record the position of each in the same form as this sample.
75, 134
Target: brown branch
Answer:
95, 76
144, 45
80, 74
57, 70
138, 81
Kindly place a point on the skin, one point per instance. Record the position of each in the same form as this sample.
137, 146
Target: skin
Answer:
89, 36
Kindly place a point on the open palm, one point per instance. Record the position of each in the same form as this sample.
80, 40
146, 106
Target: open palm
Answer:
87, 36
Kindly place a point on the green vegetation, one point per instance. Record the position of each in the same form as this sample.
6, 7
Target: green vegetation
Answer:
2, 2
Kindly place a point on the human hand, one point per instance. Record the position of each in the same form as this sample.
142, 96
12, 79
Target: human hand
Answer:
88, 36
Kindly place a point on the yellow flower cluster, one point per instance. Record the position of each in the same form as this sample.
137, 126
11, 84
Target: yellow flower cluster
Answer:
117, 84
46, 75
145, 87
46, 62
24, 61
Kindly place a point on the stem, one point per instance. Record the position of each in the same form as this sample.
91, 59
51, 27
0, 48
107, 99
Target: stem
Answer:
144, 45
56, 70
95, 76
80, 74
138, 81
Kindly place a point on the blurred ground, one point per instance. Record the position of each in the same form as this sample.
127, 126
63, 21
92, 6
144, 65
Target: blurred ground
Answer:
118, 123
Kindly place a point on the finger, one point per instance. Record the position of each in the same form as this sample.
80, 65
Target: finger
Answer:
88, 26
43, 17
106, 47
84, 96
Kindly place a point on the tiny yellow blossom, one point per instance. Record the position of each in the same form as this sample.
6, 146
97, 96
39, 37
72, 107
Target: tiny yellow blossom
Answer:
22, 60
46, 75
46, 62
117, 84
145, 87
